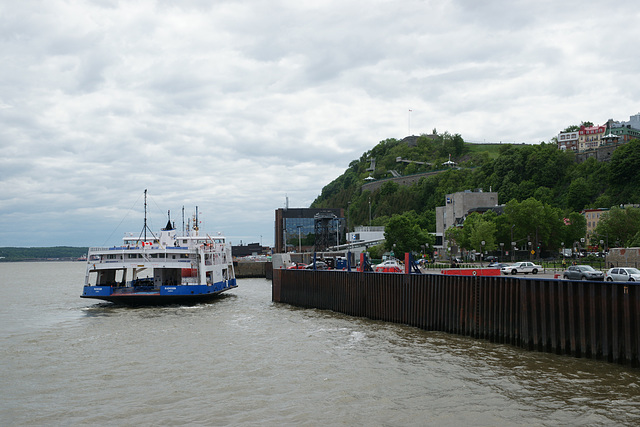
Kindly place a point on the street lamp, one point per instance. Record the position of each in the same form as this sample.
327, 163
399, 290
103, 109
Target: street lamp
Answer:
501, 251
513, 250
481, 252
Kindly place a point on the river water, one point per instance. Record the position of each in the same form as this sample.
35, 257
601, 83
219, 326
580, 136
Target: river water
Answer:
244, 360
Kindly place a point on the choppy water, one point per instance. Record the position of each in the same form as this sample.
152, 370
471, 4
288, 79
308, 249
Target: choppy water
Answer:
243, 360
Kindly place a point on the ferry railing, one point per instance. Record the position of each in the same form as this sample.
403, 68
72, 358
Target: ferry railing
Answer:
131, 248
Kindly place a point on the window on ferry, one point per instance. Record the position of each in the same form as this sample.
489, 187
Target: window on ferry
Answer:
184, 256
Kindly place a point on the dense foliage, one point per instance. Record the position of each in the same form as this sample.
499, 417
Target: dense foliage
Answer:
619, 227
543, 181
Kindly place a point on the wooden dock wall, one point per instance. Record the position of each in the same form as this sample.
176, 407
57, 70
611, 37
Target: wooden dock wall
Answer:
599, 320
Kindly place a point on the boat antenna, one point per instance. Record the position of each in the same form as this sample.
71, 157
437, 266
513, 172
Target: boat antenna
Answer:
145, 215
183, 230
145, 227
195, 225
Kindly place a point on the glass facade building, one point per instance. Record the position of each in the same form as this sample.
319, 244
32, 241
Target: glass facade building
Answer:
308, 229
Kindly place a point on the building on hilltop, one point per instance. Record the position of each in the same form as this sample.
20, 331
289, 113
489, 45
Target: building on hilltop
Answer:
457, 207
568, 141
590, 137
591, 141
625, 131
296, 228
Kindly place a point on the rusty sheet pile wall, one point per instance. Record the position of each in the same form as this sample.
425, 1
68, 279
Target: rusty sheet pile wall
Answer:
599, 320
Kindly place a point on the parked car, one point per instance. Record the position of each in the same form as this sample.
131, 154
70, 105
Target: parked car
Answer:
298, 266
582, 272
525, 267
623, 274
320, 265
497, 265
491, 258
389, 266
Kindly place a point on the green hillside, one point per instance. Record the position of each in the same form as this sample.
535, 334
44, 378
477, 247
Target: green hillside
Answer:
517, 172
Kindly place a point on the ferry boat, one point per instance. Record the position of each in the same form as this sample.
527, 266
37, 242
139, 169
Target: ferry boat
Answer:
161, 269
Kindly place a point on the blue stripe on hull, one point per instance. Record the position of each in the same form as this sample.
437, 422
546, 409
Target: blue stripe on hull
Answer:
166, 295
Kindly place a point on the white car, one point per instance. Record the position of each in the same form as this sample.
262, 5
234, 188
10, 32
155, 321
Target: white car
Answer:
525, 267
389, 266
623, 274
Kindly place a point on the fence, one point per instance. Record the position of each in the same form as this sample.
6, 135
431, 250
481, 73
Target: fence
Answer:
599, 320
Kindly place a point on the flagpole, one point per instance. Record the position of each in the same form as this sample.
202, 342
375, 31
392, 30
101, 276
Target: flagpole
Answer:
409, 126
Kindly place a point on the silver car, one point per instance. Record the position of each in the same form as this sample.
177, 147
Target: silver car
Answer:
623, 274
582, 272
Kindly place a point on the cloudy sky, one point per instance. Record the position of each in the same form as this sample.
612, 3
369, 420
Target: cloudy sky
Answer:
233, 106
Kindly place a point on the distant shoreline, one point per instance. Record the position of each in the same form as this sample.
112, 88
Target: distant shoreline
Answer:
55, 253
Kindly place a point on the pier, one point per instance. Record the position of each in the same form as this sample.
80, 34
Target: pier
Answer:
597, 320
252, 269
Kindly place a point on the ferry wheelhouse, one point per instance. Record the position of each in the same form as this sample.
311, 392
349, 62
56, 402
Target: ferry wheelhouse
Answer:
162, 269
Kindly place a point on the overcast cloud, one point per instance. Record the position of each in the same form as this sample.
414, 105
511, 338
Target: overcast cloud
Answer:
232, 106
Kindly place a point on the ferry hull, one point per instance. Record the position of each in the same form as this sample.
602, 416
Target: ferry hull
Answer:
166, 295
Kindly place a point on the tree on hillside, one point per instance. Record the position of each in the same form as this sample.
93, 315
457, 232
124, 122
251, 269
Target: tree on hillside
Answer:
451, 144
578, 194
475, 230
624, 175
405, 233
535, 222
618, 226
455, 236
575, 228
481, 230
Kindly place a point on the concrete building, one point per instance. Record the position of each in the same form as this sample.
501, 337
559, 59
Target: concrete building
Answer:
457, 207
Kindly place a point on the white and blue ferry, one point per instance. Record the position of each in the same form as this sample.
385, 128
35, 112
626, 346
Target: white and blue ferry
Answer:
161, 269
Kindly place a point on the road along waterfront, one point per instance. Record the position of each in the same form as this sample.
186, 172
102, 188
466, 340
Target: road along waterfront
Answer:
245, 360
